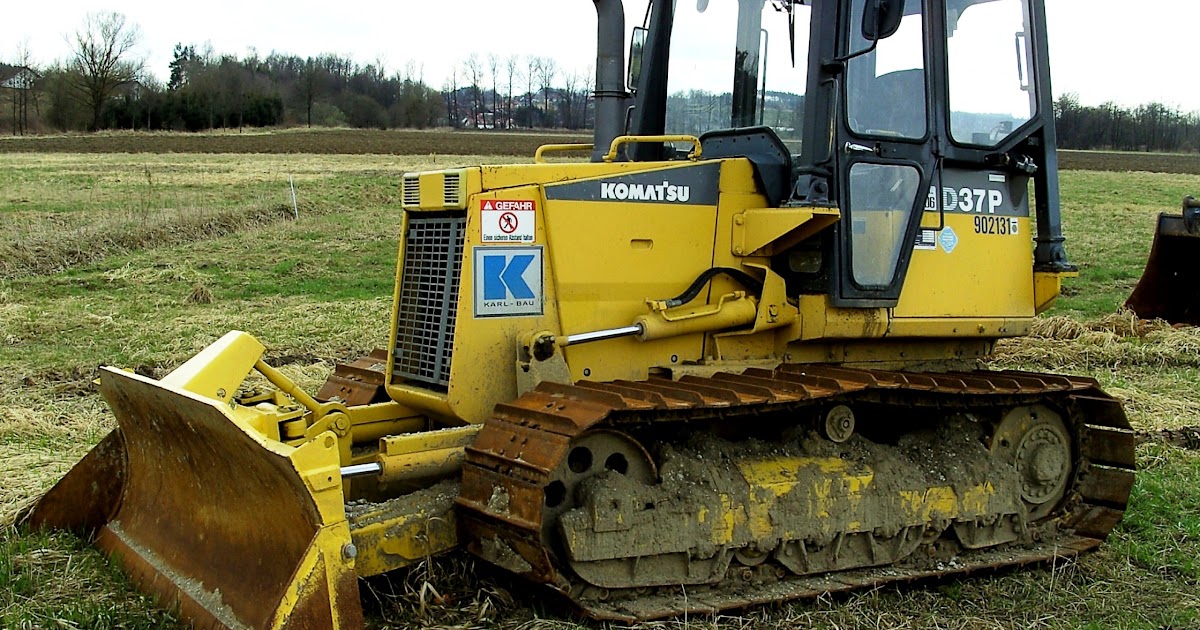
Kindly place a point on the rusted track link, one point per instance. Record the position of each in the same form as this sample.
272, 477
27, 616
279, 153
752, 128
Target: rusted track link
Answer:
508, 468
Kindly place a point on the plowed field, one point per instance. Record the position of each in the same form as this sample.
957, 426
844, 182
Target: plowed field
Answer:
322, 141
448, 142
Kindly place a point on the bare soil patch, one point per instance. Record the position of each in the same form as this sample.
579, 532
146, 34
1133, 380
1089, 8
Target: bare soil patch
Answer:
322, 141
1116, 161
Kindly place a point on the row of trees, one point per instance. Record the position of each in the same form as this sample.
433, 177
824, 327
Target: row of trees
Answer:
515, 92
1150, 127
104, 86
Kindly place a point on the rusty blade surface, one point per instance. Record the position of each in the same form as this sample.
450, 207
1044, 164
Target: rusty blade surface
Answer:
214, 520
86, 497
1168, 289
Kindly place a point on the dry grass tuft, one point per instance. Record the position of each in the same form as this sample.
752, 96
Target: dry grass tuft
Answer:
64, 247
1058, 328
28, 473
1118, 340
1123, 323
1149, 366
450, 591
1150, 410
13, 513
200, 295
151, 274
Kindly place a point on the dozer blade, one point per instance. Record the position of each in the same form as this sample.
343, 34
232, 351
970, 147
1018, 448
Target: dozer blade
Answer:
85, 499
229, 528
1168, 287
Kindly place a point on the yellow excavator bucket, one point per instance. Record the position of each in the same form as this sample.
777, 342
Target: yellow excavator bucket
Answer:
230, 528
1167, 289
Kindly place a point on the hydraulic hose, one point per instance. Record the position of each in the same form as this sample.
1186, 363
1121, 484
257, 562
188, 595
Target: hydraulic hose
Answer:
745, 279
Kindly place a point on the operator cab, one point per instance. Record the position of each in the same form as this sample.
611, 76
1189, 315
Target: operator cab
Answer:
894, 111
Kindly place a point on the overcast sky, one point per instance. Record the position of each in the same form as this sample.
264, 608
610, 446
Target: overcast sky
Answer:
1119, 50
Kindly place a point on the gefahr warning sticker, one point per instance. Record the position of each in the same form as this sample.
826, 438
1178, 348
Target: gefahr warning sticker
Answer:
507, 220
508, 281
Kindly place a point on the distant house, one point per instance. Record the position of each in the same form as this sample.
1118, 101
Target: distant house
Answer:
16, 89
130, 90
489, 120
16, 77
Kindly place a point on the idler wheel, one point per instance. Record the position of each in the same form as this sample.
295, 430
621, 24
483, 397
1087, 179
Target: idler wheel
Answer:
1044, 460
1035, 441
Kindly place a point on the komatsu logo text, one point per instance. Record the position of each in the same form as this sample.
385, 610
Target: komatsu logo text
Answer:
665, 191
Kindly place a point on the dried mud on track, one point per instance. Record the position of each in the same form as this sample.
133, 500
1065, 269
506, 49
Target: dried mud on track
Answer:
321, 141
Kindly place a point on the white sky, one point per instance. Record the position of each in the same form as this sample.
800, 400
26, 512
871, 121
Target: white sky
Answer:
1128, 52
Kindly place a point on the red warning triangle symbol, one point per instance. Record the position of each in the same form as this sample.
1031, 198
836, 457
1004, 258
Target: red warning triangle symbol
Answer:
487, 205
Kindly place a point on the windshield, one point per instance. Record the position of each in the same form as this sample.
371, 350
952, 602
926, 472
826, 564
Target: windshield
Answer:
991, 89
731, 66
885, 87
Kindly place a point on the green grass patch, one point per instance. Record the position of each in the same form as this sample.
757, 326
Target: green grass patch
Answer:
1109, 220
1161, 531
56, 581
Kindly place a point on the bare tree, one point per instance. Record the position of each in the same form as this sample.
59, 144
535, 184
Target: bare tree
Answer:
494, 67
547, 70
474, 74
311, 85
102, 59
510, 65
587, 121
532, 68
574, 99
450, 89
22, 89
204, 78
567, 100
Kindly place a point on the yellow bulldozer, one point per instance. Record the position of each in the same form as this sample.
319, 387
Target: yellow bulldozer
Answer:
733, 358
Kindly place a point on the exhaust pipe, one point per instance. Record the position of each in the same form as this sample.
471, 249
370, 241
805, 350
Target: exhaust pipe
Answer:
610, 94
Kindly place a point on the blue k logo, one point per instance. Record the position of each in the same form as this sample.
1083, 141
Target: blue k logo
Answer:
508, 281
503, 277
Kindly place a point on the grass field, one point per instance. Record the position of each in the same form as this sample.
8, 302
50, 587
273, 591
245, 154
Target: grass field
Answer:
140, 259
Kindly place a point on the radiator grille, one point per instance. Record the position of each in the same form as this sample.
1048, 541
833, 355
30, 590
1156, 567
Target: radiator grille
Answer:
428, 304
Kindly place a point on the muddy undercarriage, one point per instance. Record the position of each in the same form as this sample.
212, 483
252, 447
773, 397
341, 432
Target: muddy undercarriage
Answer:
645, 499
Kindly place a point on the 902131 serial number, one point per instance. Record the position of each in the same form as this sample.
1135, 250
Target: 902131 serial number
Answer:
996, 225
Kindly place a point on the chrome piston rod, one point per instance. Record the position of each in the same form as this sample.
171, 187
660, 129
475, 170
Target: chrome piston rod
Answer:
601, 335
359, 470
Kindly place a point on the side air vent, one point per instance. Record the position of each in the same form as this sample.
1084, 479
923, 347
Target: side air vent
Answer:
452, 197
412, 190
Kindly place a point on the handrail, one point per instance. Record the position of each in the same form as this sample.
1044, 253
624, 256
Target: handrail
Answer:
539, 156
622, 140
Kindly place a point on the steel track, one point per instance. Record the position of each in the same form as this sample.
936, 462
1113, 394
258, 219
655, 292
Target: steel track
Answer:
520, 447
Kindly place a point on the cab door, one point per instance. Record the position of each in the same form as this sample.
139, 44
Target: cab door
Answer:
883, 145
